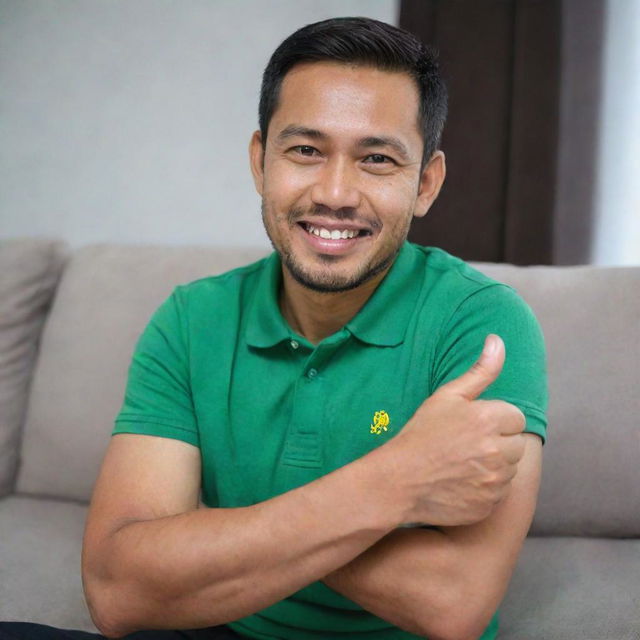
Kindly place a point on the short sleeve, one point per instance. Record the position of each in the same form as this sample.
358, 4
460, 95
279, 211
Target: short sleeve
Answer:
158, 397
498, 309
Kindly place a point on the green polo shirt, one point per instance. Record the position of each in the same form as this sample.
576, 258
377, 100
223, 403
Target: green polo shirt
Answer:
218, 367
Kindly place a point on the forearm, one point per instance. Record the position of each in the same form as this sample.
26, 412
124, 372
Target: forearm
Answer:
413, 578
445, 583
211, 566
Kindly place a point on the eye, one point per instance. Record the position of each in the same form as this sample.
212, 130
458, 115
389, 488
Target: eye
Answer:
305, 150
380, 164
378, 158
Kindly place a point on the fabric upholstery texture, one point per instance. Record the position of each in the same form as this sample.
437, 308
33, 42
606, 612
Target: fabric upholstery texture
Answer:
29, 273
567, 588
40, 562
104, 301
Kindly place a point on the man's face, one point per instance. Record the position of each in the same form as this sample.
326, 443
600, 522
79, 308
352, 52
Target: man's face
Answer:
340, 178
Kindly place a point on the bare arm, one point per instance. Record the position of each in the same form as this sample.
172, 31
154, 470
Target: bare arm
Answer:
446, 583
152, 559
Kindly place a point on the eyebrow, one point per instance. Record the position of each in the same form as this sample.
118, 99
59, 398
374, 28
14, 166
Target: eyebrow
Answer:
385, 141
294, 130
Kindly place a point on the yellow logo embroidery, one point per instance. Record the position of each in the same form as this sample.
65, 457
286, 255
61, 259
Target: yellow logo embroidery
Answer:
380, 422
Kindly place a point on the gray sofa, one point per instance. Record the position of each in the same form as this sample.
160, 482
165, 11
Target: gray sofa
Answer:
68, 323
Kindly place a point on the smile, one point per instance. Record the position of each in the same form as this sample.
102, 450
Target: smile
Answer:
332, 234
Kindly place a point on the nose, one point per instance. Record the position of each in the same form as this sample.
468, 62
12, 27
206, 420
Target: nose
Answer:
336, 185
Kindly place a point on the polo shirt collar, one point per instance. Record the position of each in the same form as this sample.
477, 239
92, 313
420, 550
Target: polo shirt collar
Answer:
265, 325
382, 321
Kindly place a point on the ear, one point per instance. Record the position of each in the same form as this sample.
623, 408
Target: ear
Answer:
256, 160
430, 183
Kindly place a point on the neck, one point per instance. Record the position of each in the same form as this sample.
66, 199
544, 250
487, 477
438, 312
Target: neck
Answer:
316, 315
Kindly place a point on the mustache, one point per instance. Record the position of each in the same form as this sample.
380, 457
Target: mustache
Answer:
345, 213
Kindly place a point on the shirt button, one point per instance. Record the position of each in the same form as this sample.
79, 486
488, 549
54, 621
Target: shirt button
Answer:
312, 373
294, 344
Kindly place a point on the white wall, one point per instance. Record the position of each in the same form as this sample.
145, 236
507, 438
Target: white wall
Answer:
128, 120
618, 188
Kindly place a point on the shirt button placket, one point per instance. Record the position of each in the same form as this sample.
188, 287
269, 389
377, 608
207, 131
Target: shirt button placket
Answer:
304, 440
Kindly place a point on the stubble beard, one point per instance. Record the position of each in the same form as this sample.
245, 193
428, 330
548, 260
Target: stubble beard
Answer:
326, 282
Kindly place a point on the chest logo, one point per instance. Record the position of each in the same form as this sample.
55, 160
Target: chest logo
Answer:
380, 422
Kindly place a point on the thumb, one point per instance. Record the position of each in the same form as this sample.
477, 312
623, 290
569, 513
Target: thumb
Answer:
485, 370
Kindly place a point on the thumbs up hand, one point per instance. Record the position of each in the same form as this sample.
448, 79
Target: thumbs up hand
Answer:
456, 456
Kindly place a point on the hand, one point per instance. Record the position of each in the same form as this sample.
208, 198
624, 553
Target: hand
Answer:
457, 455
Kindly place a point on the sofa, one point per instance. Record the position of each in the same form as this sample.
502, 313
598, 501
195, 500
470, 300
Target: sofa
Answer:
69, 320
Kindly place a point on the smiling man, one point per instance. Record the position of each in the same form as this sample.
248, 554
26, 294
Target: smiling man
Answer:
361, 417
343, 161
339, 168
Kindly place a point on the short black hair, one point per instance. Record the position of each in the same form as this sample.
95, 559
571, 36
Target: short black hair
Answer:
367, 42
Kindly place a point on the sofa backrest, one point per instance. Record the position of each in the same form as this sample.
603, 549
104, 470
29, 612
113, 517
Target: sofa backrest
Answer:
104, 300
591, 471
590, 317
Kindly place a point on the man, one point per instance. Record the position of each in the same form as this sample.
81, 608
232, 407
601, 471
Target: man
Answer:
324, 401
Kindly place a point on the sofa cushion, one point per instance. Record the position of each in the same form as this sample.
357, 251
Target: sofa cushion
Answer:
570, 588
40, 562
29, 273
591, 320
104, 300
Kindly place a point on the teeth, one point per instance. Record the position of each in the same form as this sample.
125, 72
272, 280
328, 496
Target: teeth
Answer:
331, 235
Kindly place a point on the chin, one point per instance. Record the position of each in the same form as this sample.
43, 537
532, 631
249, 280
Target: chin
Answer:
327, 282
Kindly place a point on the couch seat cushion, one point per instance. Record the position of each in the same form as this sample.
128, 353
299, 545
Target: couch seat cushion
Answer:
40, 545
574, 588
562, 589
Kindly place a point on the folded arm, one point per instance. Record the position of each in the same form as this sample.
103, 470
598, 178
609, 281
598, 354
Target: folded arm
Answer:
446, 583
153, 560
